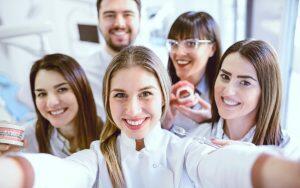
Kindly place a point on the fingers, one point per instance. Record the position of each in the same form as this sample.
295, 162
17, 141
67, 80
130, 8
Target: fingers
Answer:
220, 142
202, 102
180, 84
4, 147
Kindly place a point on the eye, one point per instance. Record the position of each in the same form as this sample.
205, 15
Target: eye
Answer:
41, 94
128, 14
109, 15
224, 77
245, 83
172, 43
191, 44
119, 95
145, 94
62, 90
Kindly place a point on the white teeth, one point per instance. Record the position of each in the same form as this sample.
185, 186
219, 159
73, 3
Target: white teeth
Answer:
119, 33
230, 102
135, 123
182, 62
57, 112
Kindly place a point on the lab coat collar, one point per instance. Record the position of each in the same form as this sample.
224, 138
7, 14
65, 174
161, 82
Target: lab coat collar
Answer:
221, 134
152, 140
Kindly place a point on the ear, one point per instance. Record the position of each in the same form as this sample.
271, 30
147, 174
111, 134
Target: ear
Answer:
212, 49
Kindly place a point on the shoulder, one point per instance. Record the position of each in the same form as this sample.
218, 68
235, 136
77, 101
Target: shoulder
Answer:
203, 130
88, 157
290, 145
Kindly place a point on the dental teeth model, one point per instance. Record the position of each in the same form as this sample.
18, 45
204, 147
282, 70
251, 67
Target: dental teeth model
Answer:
11, 133
185, 94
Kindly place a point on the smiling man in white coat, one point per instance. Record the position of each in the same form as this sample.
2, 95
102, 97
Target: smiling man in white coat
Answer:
119, 23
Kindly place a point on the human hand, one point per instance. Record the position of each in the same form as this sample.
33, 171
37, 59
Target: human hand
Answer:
184, 93
222, 143
5, 148
198, 115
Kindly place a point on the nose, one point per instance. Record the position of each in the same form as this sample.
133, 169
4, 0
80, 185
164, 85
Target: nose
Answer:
133, 107
179, 51
229, 89
52, 100
120, 21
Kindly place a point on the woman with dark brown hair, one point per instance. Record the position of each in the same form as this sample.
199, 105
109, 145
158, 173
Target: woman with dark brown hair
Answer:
194, 51
247, 98
66, 113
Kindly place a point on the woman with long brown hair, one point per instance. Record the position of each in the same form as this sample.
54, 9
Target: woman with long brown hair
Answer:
66, 113
247, 98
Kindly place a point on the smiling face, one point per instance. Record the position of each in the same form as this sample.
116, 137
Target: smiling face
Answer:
237, 90
190, 64
119, 22
135, 101
55, 99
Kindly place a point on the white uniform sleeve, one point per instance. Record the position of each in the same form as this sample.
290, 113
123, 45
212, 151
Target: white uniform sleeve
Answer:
76, 171
225, 167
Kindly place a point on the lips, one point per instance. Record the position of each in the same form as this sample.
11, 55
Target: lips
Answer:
57, 112
230, 102
119, 33
182, 62
135, 124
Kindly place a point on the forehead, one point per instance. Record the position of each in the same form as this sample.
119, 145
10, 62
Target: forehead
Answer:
118, 6
238, 65
132, 78
48, 78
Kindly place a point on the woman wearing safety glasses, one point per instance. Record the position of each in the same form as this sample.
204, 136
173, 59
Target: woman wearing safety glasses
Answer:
194, 52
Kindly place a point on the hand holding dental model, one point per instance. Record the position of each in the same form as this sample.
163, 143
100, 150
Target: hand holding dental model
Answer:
11, 137
186, 99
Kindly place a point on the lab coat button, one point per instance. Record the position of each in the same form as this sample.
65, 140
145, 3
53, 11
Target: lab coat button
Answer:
155, 165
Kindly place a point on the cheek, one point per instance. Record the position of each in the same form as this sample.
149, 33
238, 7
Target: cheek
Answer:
115, 110
217, 89
41, 106
253, 98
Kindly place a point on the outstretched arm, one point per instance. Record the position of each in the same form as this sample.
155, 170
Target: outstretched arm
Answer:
269, 171
44, 170
13, 170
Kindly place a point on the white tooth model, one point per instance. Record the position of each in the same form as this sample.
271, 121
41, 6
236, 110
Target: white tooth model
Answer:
185, 94
11, 133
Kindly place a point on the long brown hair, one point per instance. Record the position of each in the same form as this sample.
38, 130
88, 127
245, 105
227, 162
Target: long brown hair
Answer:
128, 57
199, 25
264, 59
87, 123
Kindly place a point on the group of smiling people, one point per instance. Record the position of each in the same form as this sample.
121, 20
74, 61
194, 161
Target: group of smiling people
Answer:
226, 132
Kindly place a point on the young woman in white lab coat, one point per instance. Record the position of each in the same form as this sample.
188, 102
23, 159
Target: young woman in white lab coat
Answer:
194, 52
134, 151
66, 113
247, 99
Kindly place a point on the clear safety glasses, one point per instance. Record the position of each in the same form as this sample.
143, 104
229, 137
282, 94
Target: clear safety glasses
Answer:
187, 44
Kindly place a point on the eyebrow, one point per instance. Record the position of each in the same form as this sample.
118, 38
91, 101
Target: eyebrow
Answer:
56, 86
239, 76
114, 12
142, 89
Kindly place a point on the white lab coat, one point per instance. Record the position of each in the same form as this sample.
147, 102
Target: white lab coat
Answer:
166, 161
60, 146
290, 146
94, 68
